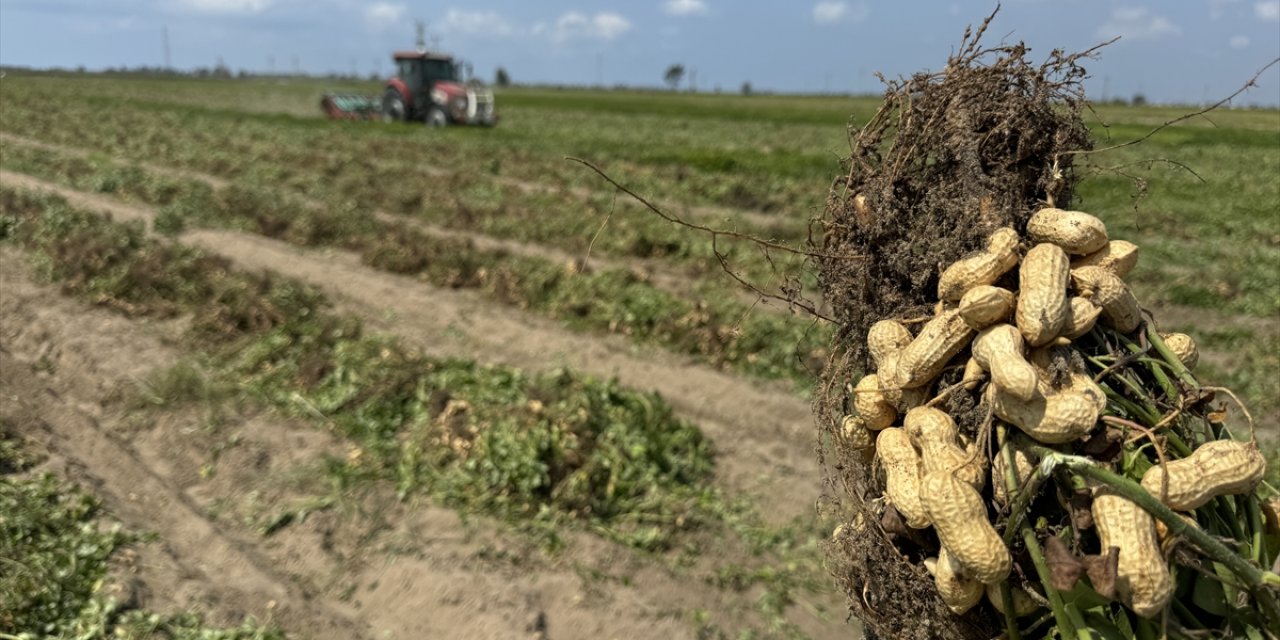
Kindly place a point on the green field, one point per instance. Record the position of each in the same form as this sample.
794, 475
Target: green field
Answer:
560, 453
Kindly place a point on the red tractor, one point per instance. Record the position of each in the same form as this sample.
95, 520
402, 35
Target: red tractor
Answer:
427, 87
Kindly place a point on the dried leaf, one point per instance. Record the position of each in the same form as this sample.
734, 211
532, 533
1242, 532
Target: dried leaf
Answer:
1064, 567
893, 523
1218, 416
1080, 504
1102, 572
1105, 445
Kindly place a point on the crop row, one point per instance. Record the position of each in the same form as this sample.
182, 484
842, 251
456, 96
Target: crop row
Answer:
558, 444
720, 331
767, 153
482, 190
541, 451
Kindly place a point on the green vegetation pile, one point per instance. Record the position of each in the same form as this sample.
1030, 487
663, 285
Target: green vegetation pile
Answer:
58, 549
1014, 447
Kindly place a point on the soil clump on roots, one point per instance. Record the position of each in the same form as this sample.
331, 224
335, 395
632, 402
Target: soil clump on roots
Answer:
948, 158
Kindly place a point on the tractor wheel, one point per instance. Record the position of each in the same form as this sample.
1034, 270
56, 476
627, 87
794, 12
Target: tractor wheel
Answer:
393, 106
436, 118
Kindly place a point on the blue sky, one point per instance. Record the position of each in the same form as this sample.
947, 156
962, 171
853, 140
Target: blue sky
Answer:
1175, 51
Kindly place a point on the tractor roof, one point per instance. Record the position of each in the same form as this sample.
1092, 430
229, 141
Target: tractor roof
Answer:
421, 55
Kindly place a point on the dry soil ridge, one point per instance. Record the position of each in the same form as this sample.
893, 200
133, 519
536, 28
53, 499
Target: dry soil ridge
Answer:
651, 270
762, 432
394, 571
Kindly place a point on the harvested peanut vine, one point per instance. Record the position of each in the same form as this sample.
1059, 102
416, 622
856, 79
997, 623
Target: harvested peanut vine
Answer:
1059, 470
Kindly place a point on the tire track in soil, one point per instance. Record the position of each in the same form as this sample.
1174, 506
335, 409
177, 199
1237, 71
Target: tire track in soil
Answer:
653, 271
762, 433
199, 560
444, 588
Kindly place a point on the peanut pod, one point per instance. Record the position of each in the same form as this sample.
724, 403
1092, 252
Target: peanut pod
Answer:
960, 519
1118, 257
1023, 604
886, 337
958, 590
1076, 232
1082, 314
875, 411
855, 432
973, 374
1042, 303
939, 340
902, 399
1024, 464
1142, 576
1053, 419
934, 434
985, 305
902, 475
1183, 346
1215, 468
999, 349
1105, 289
985, 267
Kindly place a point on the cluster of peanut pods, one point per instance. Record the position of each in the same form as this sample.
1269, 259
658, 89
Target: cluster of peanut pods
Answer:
1069, 276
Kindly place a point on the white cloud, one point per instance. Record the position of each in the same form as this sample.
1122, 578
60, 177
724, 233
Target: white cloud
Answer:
684, 7
384, 15
833, 12
828, 12
576, 25
227, 6
1268, 10
485, 23
1137, 23
1218, 8
1239, 42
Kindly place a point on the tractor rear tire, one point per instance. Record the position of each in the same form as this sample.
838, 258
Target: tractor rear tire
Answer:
436, 118
393, 107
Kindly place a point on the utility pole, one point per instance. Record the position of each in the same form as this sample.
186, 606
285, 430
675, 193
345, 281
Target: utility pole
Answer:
420, 28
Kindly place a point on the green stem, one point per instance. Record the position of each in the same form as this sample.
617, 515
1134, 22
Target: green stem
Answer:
1011, 485
1183, 373
1128, 406
1065, 627
1166, 385
1023, 501
1189, 618
1010, 622
1210, 546
1256, 542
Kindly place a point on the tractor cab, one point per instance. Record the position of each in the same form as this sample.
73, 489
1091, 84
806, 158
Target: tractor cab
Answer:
429, 87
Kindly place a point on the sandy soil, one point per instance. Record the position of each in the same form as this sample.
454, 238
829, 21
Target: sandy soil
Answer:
370, 566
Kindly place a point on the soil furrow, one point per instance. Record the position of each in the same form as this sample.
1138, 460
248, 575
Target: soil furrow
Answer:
651, 270
762, 433
58, 408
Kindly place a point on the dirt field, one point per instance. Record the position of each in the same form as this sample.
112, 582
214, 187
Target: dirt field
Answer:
376, 567
247, 514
